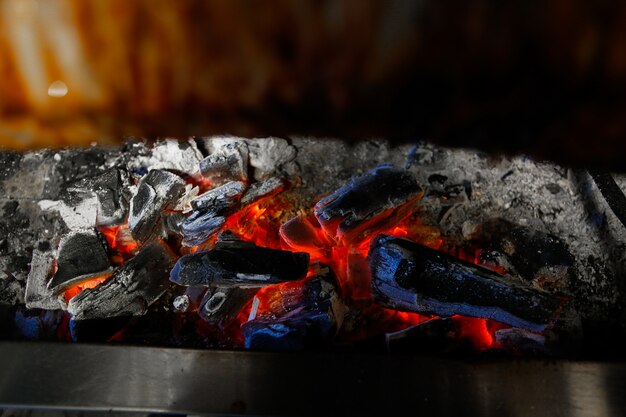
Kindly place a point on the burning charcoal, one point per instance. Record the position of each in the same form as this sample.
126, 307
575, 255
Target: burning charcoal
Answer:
220, 199
108, 187
80, 253
302, 233
157, 191
211, 208
312, 321
200, 226
237, 263
222, 304
131, 290
37, 293
534, 255
228, 163
412, 277
263, 189
366, 202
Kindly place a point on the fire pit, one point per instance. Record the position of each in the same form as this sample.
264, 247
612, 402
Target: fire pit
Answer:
274, 244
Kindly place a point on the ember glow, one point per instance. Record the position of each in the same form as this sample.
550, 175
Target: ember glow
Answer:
231, 254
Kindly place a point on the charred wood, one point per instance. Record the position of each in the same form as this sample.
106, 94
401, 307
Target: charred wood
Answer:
109, 188
131, 290
80, 254
261, 190
412, 277
311, 321
157, 191
365, 202
237, 263
228, 163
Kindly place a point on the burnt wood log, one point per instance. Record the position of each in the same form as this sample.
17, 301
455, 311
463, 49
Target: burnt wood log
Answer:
237, 263
131, 290
221, 198
80, 254
412, 277
157, 191
365, 202
222, 304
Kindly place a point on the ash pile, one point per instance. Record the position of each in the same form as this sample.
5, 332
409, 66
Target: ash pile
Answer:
306, 243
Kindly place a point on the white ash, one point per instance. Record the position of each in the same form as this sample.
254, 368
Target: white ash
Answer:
37, 294
177, 155
267, 156
181, 303
79, 215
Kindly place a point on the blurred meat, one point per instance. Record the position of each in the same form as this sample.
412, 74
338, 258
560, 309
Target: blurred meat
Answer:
513, 76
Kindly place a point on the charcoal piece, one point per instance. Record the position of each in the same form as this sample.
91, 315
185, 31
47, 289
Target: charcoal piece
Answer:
533, 254
222, 304
108, 187
200, 226
237, 263
157, 191
37, 294
263, 189
412, 277
311, 322
80, 254
211, 208
131, 290
438, 335
220, 199
365, 202
228, 163
303, 233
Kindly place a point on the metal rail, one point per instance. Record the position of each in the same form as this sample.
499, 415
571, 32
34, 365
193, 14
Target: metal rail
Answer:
90, 377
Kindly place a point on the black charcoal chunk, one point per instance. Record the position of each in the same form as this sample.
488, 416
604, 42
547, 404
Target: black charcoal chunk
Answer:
228, 163
200, 226
237, 263
211, 210
222, 304
220, 199
365, 202
412, 277
80, 253
263, 189
521, 342
157, 191
310, 323
108, 187
131, 290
